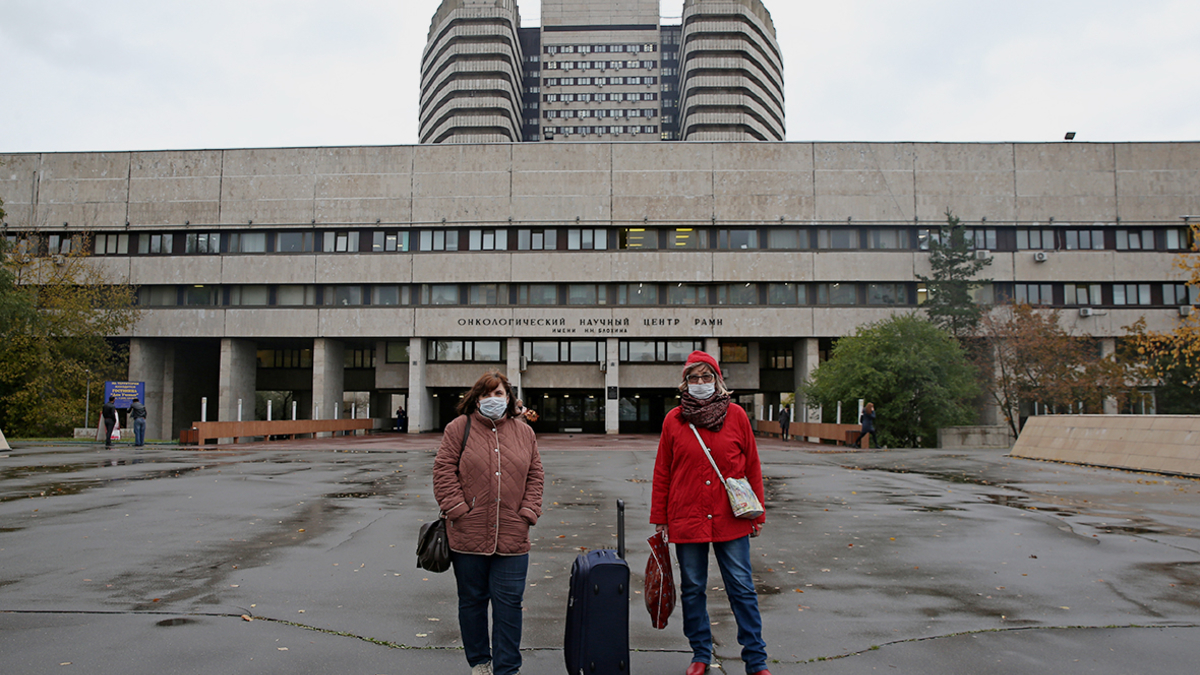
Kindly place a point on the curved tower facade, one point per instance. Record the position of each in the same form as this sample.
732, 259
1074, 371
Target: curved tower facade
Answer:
731, 73
471, 79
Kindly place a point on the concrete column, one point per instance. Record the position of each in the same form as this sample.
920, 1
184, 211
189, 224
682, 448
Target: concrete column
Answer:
237, 379
147, 363
329, 382
514, 368
612, 380
1108, 347
806, 355
169, 427
420, 402
712, 345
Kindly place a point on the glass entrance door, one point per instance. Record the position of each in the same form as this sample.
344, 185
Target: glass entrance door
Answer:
574, 412
643, 412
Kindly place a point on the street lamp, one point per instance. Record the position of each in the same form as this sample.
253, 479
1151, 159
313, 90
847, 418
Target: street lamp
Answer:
87, 406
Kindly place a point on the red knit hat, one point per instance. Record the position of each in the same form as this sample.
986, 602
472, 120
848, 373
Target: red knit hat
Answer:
702, 357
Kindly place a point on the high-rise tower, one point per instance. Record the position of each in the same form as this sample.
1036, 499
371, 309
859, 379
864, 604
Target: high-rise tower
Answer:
601, 70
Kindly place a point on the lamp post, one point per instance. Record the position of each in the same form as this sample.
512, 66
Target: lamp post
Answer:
87, 405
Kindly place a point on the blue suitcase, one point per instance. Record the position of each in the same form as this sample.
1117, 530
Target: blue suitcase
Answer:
597, 636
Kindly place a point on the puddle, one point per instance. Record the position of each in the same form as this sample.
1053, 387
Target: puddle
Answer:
76, 487
167, 623
352, 495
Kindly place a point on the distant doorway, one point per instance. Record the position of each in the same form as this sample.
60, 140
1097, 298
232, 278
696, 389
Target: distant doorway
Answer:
567, 412
643, 411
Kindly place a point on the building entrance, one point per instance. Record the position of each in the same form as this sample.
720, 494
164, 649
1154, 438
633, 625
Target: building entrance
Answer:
567, 411
643, 411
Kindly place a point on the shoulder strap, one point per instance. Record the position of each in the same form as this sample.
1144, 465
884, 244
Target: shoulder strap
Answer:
706, 452
466, 432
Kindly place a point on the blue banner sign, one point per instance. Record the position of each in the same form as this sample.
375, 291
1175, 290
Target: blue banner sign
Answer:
125, 392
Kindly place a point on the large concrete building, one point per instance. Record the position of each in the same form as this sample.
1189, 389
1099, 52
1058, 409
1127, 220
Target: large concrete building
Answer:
608, 71
585, 271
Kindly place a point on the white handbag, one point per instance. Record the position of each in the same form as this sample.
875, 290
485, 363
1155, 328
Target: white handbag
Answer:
742, 499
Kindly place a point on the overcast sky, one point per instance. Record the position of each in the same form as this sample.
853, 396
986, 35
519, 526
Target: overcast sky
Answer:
88, 75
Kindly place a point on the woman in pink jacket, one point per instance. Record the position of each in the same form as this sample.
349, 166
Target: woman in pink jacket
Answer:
689, 502
490, 489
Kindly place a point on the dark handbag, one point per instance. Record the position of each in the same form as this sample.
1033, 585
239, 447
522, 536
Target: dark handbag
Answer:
660, 581
433, 548
433, 545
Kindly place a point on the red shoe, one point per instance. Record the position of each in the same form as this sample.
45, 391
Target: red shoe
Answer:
697, 668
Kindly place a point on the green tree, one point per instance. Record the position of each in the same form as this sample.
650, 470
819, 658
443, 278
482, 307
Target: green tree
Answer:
955, 277
58, 315
915, 373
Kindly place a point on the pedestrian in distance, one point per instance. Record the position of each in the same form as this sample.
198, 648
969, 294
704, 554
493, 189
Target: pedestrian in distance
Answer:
868, 425
688, 502
109, 414
785, 422
137, 412
487, 479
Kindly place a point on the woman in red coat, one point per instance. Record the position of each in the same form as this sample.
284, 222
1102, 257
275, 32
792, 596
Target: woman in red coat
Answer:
689, 502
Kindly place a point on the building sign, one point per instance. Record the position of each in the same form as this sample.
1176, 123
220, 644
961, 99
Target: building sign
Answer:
592, 325
125, 392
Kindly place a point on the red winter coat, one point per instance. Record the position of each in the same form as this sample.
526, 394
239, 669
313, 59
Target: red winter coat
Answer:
492, 492
688, 496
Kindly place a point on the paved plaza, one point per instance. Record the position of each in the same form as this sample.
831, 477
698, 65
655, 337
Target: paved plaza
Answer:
152, 560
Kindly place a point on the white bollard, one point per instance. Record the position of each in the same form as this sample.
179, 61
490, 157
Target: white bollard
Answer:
293, 411
269, 402
204, 409
239, 410
839, 416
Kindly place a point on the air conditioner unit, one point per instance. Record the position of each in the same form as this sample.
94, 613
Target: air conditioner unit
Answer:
524, 364
1041, 256
60, 259
1085, 311
604, 366
983, 254
1185, 310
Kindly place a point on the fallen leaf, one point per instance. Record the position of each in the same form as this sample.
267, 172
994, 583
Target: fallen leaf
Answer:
246, 617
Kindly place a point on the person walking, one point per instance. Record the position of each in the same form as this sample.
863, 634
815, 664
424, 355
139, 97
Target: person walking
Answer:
868, 425
109, 414
785, 421
688, 503
137, 412
488, 479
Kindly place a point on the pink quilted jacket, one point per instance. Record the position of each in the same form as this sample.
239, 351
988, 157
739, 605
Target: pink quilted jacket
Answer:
492, 493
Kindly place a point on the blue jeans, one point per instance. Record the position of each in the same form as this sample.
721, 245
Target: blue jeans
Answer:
139, 431
500, 580
733, 557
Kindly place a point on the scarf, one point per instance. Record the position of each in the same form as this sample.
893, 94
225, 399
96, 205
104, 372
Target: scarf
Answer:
707, 414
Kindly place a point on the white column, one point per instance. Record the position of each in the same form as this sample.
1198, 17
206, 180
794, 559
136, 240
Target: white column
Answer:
805, 357
237, 379
513, 361
420, 402
329, 368
1108, 347
612, 382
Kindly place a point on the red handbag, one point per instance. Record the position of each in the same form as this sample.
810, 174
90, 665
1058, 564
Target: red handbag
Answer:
660, 581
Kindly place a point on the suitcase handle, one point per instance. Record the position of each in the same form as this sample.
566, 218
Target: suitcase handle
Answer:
621, 529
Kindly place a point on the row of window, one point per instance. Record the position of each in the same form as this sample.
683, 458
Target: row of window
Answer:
600, 81
600, 96
599, 65
845, 294
601, 112
550, 132
532, 352
598, 49
383, 240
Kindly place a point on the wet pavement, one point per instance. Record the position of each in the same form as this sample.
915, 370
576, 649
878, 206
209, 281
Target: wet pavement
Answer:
152, 560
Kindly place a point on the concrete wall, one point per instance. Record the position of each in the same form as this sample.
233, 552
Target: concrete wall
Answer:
1159, 443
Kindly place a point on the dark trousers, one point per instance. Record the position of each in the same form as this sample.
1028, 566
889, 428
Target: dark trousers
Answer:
497, 580
108, 429
858, 439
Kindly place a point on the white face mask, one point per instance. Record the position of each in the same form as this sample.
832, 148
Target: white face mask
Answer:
493, 407
702, 391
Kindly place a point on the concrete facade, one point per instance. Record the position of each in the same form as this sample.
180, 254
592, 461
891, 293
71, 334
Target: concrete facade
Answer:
1158, 443
334, 270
